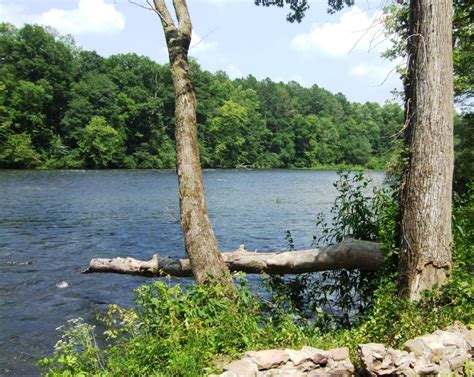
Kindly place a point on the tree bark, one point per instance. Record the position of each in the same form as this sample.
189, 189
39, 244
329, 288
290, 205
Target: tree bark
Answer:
200, 242
425, 247
349, 254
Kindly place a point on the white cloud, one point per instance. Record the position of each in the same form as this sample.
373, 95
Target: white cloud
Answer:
356, 30
90, 16
200, 46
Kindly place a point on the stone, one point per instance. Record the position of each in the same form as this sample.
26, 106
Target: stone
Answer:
457, 362
347, 364
448, 338
366, 352
281, 372
437, 352
406, 372
297, 357
318, 373
427, 370
402, 358
469, 337
241, 368
339, 354
307, 366
414, 345
340, 372
318, 356
268, 359
377, 356
230, 374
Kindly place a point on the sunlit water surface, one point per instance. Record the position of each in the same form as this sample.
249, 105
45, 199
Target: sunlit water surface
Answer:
53, 222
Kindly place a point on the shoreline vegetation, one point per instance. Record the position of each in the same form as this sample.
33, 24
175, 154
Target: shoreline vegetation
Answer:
338, 167
64, 107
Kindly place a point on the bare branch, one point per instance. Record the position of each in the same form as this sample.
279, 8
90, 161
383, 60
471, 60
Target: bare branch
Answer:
202, 39
150, 7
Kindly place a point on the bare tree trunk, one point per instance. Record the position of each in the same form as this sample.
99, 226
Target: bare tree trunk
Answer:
425, 248
200, 241
349, 254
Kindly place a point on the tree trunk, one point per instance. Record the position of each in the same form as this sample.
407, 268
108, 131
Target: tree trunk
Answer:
425, 247
349, 254
200, 241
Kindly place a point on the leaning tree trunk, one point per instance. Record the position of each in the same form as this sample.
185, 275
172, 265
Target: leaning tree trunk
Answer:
200, 241
425, 248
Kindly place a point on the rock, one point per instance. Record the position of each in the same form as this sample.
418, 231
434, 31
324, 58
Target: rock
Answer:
284, 372
268, 359
339, 354
457, 362
414, 345
401, 359
318, 373
340, 372
297, 357
451, 339
347, 364
366, 352
437, 352
427, 369
469, 337
241, 368
230, 374
307, 366
443, 352
318, 356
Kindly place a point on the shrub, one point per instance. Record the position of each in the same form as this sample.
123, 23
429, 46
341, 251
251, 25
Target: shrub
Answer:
174, 331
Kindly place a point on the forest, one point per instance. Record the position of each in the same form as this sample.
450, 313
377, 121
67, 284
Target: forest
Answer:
63, 107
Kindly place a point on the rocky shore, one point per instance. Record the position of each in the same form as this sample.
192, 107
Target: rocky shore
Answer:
444, 352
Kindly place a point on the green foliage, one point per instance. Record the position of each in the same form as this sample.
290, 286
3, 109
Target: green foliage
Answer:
464, 152
101, 145
16, 150
77, 350
336, 297
173, 332
463, 54
51, 90
454, 301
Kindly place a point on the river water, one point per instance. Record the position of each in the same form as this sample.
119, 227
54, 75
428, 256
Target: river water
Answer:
53, 222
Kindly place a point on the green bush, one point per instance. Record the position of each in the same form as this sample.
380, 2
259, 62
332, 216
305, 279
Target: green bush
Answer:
101, 146
336, 297
174, 331
17, 151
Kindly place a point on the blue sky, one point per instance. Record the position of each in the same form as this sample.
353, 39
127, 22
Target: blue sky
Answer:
338, 52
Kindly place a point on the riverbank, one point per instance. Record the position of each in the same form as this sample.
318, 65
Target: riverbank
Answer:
444, 352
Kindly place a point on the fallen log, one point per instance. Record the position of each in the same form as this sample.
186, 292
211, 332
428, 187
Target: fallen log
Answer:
349, 254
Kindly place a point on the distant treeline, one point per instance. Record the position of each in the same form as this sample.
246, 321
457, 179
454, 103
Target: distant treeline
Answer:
62, 107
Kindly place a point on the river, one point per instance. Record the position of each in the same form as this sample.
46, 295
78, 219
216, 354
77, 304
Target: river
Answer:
53, 222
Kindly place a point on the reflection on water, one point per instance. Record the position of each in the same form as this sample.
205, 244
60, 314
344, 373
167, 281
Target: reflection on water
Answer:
53, 222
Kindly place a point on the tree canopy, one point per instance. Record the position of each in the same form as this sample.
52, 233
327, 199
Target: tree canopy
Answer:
48, 104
